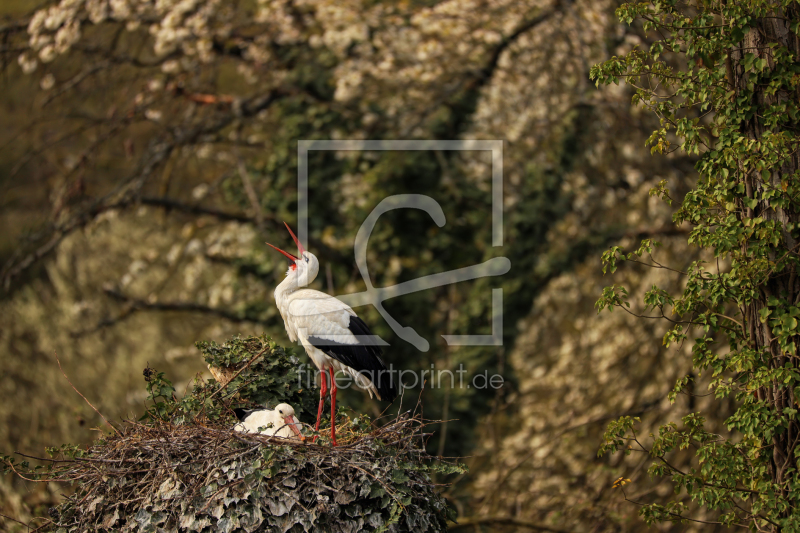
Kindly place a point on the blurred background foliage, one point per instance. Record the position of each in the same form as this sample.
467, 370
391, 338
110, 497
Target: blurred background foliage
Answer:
148, 149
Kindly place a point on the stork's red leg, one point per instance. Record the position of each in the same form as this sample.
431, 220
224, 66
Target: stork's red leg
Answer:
333, 406
323, 390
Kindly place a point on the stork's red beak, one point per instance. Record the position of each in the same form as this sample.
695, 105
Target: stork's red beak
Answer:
292, 423
299, 246
289, 256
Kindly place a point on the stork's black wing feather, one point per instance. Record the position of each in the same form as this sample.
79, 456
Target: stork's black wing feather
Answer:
364, 358
242, 413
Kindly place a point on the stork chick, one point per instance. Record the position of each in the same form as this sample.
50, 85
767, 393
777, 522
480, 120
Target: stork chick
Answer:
280, 422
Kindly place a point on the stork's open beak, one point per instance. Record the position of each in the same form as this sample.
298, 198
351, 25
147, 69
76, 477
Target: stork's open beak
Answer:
292, 423
289, 256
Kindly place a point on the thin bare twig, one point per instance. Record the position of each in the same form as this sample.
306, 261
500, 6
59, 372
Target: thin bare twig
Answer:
82, 396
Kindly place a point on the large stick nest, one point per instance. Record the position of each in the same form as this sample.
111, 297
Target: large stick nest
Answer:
165, 477
183, 468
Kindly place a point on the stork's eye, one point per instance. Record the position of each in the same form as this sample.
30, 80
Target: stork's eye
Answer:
306, 259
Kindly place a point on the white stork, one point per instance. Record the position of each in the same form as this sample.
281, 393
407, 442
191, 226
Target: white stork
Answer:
334, 337
280, 421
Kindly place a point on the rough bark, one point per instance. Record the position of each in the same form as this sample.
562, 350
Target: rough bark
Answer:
780, 284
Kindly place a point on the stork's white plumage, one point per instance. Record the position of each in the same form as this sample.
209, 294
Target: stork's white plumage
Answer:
334, 337
280, 421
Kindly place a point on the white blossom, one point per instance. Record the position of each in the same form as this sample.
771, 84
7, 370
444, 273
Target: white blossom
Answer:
171, 66
97, 10
155, 85
53, 17
153, 114
67, 36
48, 53
27, 62
120, 9
47, 82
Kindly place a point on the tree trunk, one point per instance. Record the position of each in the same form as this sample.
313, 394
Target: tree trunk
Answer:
780, 284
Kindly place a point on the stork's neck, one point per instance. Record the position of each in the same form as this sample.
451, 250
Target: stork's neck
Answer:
298, 276
284, 289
